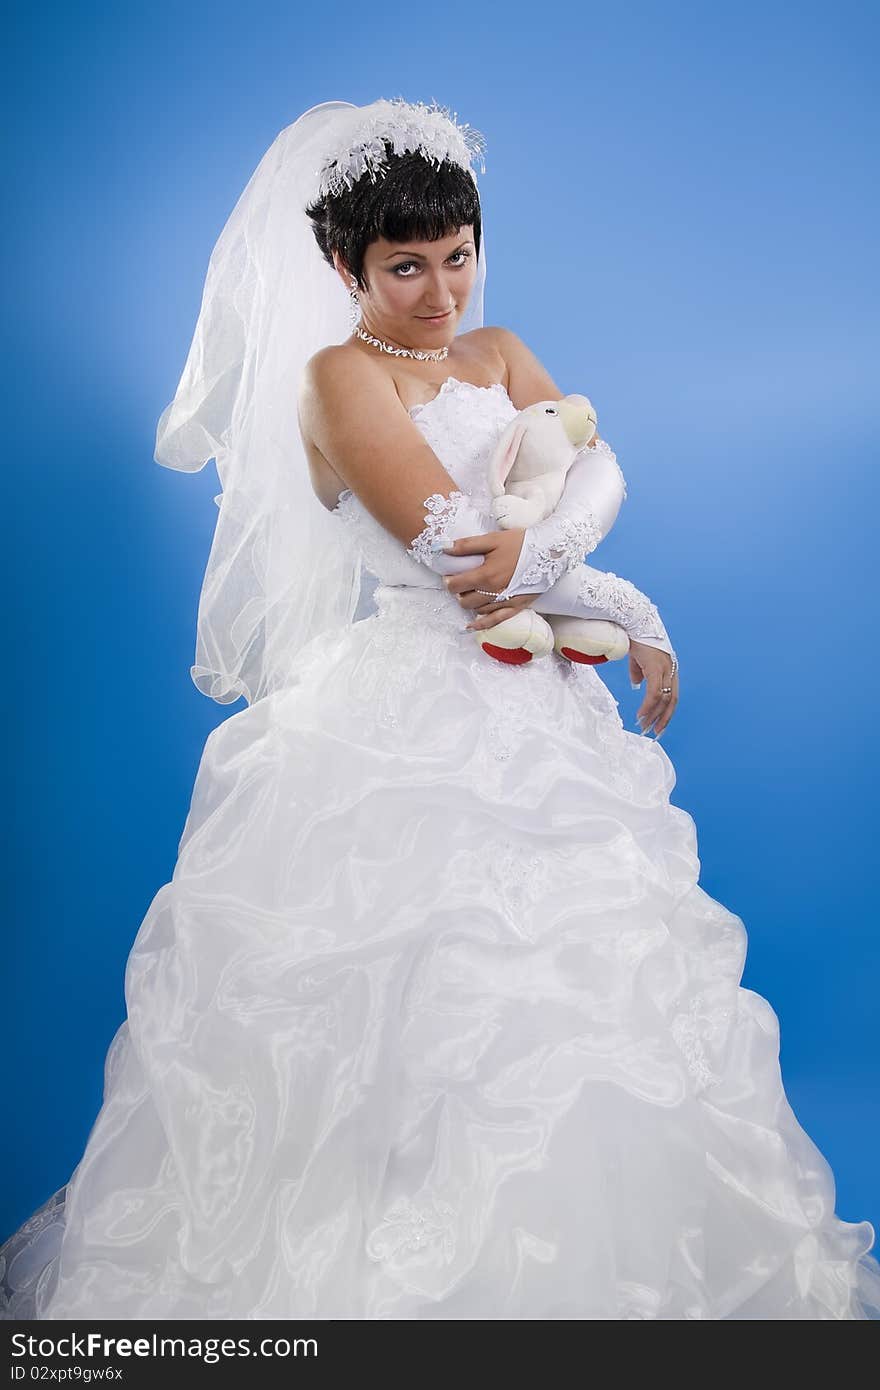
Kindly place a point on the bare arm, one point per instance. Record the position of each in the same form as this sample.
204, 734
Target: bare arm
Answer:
353, 413
362, 428
528, 380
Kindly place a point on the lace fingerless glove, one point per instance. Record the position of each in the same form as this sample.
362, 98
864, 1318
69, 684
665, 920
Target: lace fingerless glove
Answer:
592, 593
602, 594
446, 519
594, 491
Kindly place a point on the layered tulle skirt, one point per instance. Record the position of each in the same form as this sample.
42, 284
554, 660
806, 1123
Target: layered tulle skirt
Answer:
434, 1021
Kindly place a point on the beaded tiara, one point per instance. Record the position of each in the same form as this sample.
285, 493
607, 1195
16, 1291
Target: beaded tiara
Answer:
359, 146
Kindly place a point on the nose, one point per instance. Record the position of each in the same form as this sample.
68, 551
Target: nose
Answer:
440, 297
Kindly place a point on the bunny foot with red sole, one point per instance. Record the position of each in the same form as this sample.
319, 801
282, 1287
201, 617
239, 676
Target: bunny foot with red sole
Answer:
519, 639
588, 640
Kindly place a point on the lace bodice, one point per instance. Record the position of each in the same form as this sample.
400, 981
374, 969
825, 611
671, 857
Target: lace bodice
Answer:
462, 424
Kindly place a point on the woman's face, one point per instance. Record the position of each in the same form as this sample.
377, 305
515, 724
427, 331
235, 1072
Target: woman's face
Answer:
410, 282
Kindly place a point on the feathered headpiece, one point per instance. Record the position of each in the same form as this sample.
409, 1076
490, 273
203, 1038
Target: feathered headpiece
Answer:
359, 145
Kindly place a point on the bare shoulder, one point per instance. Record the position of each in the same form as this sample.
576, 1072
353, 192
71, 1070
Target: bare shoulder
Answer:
509, 346
503, 340
478, 337
339, 378
527, 379
333, 370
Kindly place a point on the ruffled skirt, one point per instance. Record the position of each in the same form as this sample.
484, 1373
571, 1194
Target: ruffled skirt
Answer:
434, 1021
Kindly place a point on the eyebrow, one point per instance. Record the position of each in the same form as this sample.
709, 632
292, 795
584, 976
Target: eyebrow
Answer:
417, 255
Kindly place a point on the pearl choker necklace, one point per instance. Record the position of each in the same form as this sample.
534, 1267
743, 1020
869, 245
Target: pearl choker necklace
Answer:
438, 355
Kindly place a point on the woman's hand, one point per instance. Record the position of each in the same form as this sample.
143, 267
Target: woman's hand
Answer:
650, 663
502, 551
493, 612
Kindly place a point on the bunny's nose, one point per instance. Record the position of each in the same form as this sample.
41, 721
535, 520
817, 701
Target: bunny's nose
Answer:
578, 420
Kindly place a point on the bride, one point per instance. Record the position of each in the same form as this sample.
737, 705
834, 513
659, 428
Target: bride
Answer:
434, 1019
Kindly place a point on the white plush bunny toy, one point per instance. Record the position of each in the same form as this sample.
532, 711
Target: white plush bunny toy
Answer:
533, 475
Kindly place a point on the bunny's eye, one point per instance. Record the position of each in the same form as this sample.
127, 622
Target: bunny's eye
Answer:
550, 411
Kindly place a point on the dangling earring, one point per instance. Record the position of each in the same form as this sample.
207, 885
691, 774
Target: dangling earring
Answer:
355, 303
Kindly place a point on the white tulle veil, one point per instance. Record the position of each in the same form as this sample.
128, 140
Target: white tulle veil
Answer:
282, 569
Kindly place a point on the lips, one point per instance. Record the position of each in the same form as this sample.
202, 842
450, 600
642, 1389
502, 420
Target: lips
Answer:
435, 318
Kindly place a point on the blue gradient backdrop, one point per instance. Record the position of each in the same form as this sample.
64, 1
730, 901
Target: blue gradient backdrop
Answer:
681, 220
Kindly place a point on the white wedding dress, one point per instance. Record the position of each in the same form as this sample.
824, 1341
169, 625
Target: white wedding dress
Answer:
433, 1019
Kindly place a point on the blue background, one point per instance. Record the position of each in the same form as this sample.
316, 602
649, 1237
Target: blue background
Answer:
681, 220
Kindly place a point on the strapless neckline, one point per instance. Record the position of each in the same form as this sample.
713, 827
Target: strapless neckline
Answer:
414, 410
456, 381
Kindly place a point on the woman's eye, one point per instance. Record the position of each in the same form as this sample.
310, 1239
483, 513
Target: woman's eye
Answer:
405, 265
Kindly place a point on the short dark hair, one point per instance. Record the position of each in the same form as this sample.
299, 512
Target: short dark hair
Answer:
411, 198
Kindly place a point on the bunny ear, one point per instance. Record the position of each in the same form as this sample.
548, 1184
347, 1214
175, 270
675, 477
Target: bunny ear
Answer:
505, 454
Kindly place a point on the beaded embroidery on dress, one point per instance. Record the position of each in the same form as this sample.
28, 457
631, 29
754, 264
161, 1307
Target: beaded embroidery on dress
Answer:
434, 1020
